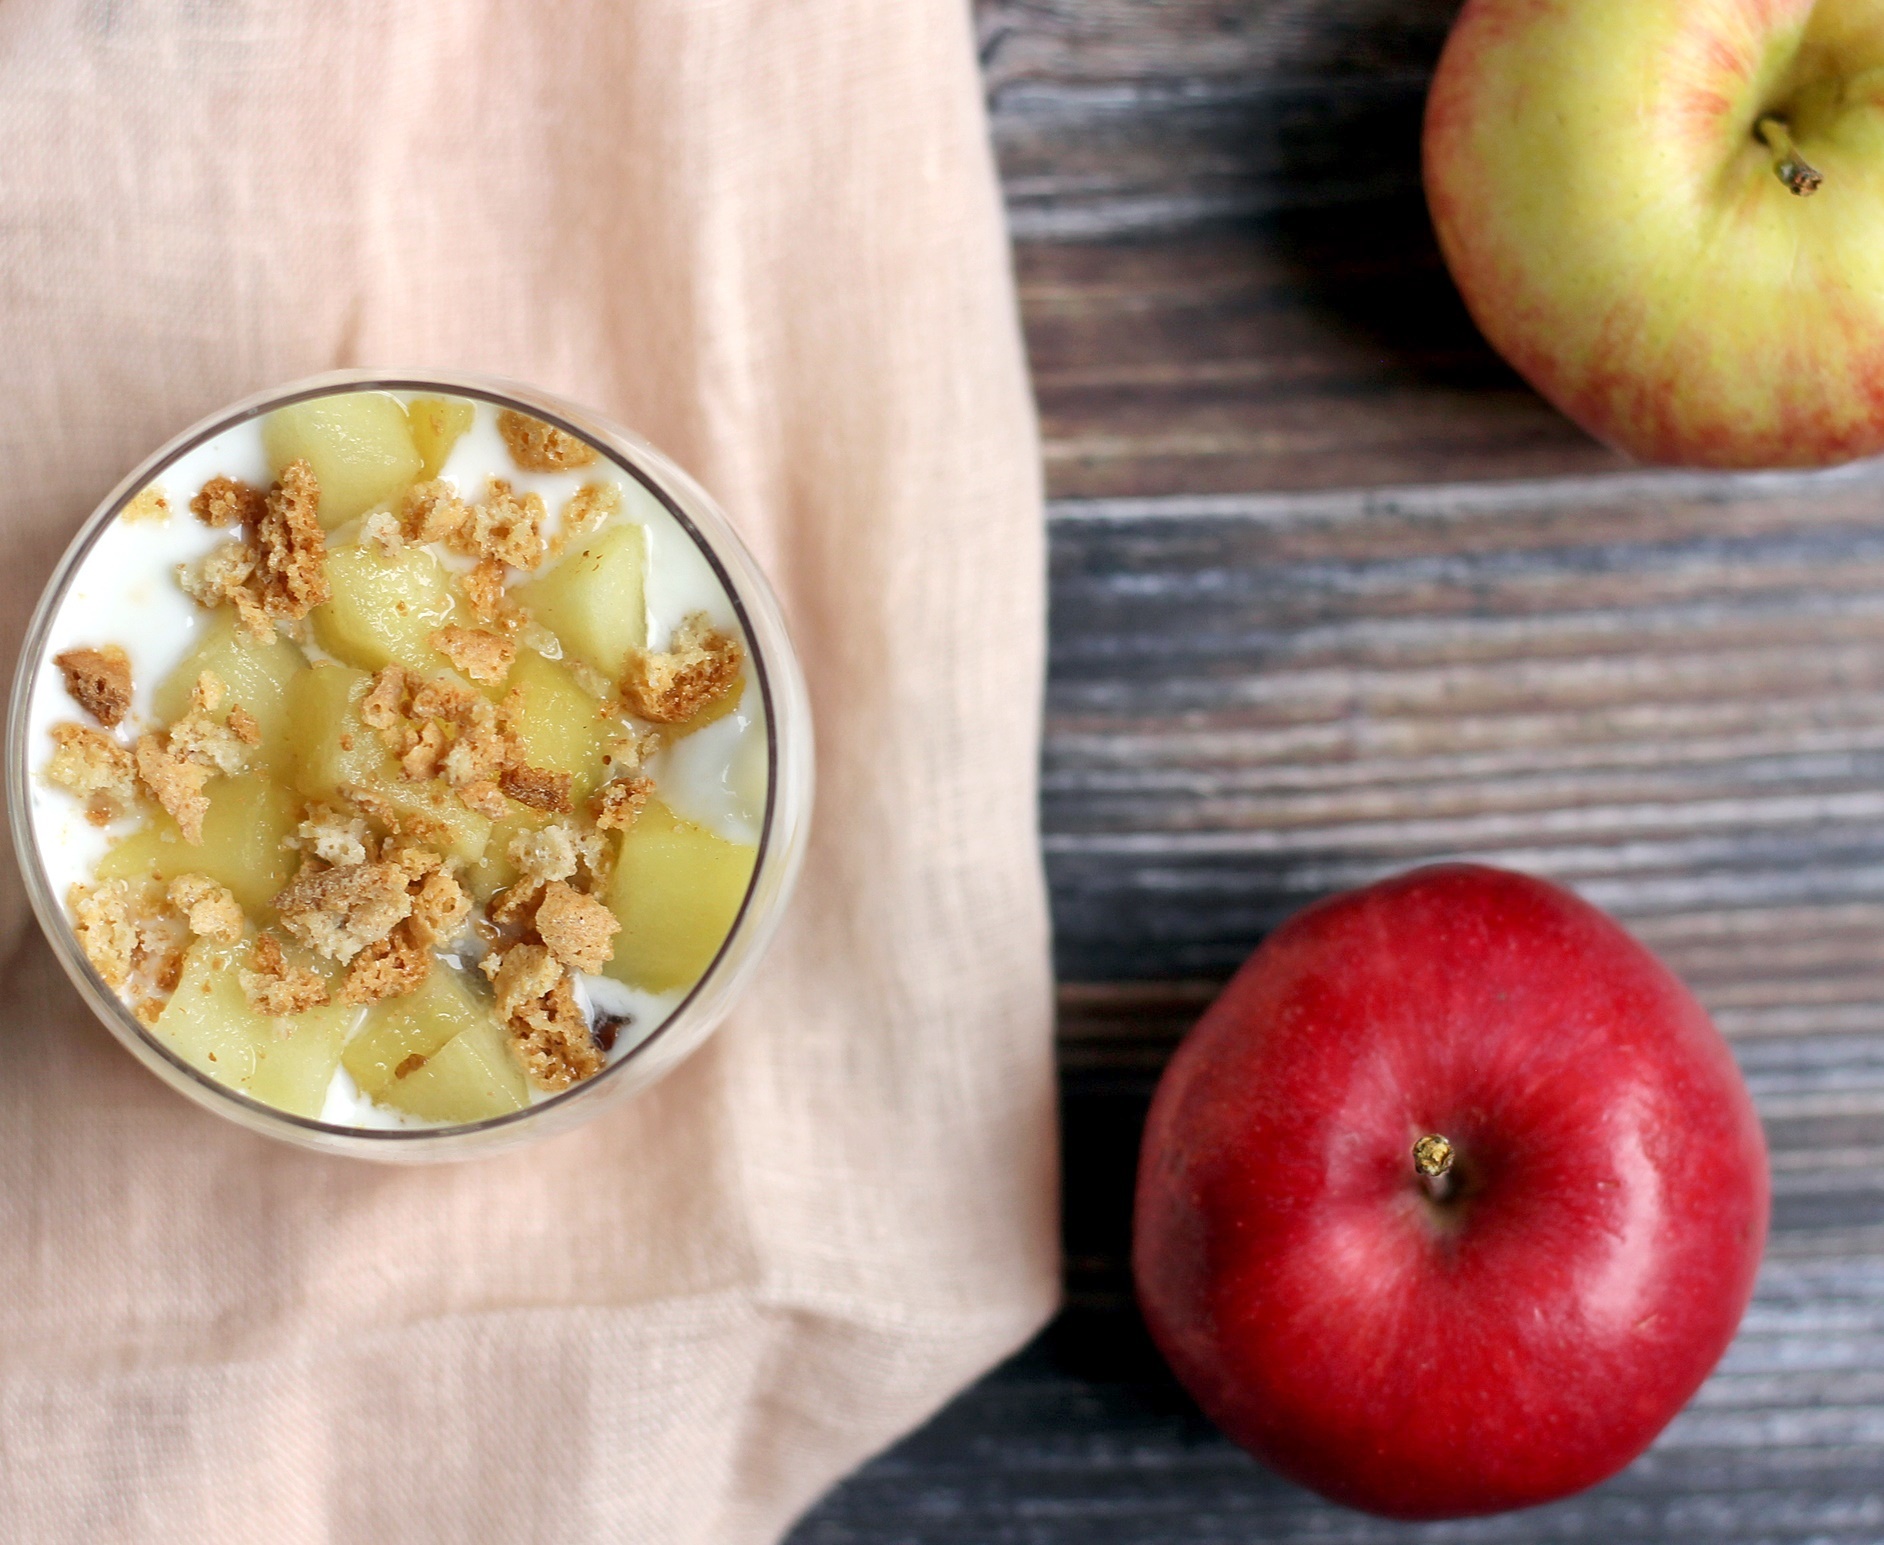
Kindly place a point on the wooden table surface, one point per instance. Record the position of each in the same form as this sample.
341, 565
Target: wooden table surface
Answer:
1333, 593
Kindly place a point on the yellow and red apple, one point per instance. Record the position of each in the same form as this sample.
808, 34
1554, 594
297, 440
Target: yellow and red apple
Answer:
1669, 216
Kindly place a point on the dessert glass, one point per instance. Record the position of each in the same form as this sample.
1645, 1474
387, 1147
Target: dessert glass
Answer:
782, 830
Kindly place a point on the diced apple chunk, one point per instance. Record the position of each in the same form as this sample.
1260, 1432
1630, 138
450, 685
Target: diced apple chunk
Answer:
256, 675
592, 599
358, 443
383, 611
558, 726
287, 1063
334, 749
676, 890
437, 422
248, 819
437, 1053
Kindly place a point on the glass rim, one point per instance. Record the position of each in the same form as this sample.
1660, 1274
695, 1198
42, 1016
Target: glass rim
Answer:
615, 443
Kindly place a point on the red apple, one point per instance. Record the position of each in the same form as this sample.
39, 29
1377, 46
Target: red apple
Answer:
1669, 216
1517, 1328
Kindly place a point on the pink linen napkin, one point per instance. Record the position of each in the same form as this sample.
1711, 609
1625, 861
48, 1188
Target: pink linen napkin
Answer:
766, 234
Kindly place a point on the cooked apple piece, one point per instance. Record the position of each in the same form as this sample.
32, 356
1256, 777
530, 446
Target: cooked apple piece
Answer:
676, 889
249, 818
437, 422
437, 1053
383, 611
287, 1063
592, 598
256, 676
334, 749
559, 726
358, 443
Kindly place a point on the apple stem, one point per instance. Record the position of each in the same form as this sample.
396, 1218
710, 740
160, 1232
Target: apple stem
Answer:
1798, 174
1432, 1162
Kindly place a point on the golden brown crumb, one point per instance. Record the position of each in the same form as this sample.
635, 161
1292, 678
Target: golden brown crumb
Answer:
483, 587
385, 702
538, 787
382, 532
99, 681
616, 804
199, 738
225, 501
699, 665
228, 574
210, 909
91, 766
334, 837
587, 509
539, 447
431, 512
390, 968
577, 929
504, 527
291, 548
481, 656
148, 505
340, 911
176, 783
439, 908
485, 797
276, 987
552, 1040
120, 928
525, 972
242, 725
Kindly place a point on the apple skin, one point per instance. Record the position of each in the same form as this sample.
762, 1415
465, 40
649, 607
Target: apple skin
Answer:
1619, 235
1528, 1337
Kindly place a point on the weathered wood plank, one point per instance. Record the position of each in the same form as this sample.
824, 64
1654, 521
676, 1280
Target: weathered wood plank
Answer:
1667, 689
1113, 117
1327, 350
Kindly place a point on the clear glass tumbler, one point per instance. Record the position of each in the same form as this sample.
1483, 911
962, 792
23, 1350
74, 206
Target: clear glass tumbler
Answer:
781, 839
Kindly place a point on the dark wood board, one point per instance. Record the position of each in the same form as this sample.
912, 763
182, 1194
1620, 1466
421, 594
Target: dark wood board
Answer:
1333, 593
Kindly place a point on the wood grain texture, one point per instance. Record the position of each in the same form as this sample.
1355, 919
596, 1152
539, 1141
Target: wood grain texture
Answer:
1332, 594
1326, 350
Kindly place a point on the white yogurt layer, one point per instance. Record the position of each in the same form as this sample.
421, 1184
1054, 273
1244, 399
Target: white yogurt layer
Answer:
125, 592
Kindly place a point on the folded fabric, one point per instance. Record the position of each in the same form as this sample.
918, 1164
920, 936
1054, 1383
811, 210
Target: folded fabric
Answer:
768, 237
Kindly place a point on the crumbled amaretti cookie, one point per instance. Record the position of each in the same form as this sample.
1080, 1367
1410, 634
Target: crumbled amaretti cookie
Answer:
224, 501
276, 986
539, 447
99, 681
392, 967
177, 763
439, 908
89, 765
340, 911
148, 505
483, 586
552, 1040
335, 836
381, 531
210, 909
537, 1003
482, 656
577, 929
291, 548
431, 512
124, 930
588, 508
615, 805
538, 787
504, 527
226, 574
699, 665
